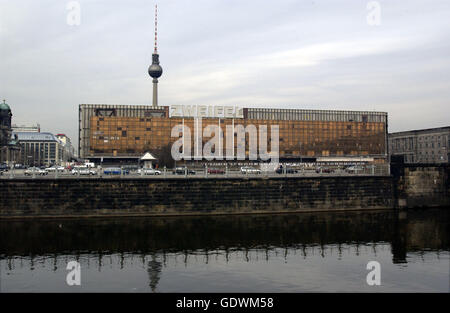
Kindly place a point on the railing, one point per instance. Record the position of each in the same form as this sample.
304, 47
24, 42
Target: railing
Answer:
207, 173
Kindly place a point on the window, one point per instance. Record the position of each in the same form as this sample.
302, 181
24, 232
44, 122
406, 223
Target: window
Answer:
53, 150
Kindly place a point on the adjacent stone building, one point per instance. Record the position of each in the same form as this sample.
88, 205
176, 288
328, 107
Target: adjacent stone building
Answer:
38, 149
9, 148
421, 146
69, 150
26, 128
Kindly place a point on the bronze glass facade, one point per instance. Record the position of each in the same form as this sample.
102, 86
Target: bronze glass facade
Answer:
302, 133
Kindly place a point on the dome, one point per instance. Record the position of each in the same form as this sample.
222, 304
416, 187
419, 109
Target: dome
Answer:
4, 106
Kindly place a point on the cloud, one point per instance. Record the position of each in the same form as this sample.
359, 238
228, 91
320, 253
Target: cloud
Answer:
213, 78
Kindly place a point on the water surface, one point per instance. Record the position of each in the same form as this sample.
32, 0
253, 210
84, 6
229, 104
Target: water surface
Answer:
321, 252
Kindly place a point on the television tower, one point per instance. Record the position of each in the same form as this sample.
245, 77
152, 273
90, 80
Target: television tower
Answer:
155, 70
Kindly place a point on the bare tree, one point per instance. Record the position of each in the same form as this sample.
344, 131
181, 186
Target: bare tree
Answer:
164, 156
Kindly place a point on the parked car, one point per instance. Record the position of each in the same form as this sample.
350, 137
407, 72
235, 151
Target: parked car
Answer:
216, 171
36, 171
324, 170
83, 171
115, 171
20, 166
250, 170
131, 168
149, 171
355, 169
287, 170
4, 168
55, 168
182, 170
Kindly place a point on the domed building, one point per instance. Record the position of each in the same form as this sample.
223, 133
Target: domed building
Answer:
9, 146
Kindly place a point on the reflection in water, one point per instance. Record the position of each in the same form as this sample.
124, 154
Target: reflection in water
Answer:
154, 272
298, 252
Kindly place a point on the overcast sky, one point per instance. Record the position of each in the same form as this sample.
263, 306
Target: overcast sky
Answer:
250, 53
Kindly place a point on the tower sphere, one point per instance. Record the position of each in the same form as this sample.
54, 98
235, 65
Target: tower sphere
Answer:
155, 70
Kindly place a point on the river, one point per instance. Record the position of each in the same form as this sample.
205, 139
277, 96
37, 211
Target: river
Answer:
320, 252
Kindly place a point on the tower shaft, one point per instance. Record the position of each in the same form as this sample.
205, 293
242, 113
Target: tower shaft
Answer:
155, 92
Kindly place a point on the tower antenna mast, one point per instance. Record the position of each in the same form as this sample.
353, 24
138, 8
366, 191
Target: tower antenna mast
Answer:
156, 29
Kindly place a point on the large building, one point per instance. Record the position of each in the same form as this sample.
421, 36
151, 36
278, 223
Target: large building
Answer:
27, 145
422, 145
40, 149
126, 132
69, 151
